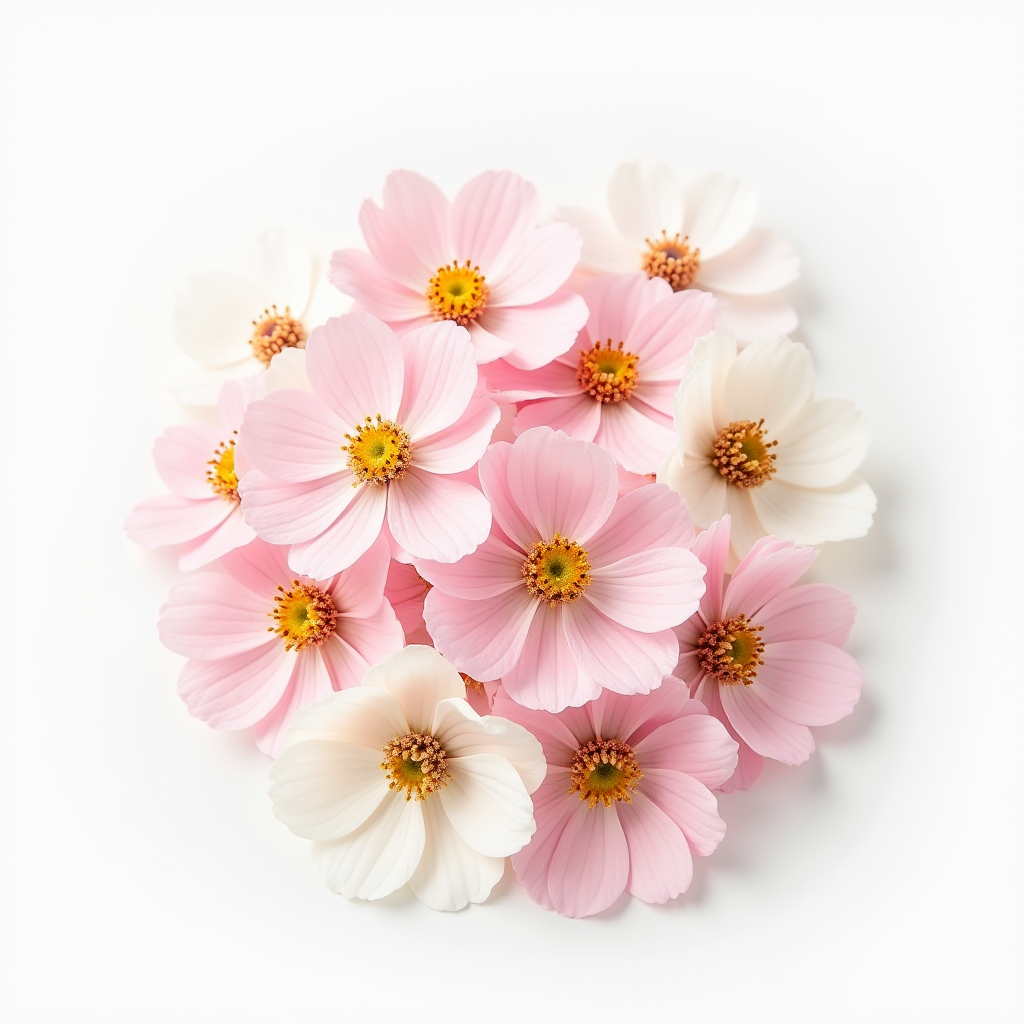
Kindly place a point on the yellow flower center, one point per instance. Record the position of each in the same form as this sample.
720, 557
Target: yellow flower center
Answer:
604, 770
457, 293
731, 650
275, 331
607, 374
741, 454
417, 763
557, 570
379, 451
305, 616
672, 259
221, 476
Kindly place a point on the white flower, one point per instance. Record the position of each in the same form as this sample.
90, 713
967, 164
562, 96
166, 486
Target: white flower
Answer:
754, 442
701, 235
233, 324
400, 781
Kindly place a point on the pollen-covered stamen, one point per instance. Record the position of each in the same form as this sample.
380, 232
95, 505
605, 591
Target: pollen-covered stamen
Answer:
604, 770
472, 684
221, 476
457, 293
275, 331
305, 616
731, 650
557, 570
607, 374
673, 259
741, 454
417, 763
379, 451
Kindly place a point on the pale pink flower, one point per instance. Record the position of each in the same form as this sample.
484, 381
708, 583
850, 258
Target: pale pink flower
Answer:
615, 386
575, 589
386, 429
406, 590
263, 641
764, 656
626, 801
482, 260
197, 462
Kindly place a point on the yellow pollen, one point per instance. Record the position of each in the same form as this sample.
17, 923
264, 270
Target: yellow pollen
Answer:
417, 763
741, 454
672, 259
305, 616
604, 770
556, 571
457, 293
731, 650
607, 374
221, 476
275, 331
379, 452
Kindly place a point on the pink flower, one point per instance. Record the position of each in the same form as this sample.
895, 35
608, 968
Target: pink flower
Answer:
197, 462
616, 385
406, 590
387, 426
626, 800
263, 642
575, 589
765, 657
482, 261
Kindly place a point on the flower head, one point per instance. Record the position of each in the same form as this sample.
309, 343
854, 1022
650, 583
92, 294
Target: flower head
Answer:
399, 781
575, 589
754, 442
482, 261
764, 656
386, 429
626, 799
263, 641
700, 235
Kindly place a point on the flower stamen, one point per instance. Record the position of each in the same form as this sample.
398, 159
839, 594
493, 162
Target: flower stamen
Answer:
607, 374
222, 477
457, 293
741, 454
604, 770
556, 571
417, 763
731, 650
671, 259
379, 452
305, 616
274, 332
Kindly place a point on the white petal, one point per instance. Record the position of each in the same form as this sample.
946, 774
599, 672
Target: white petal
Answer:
645, 199
746, 528
281, 263
815, 516
771, 380
200, 385
694, 411
418, 678
369, 717
753, 317
761, 263
603, 248
213, 316
698, 482
822, 445
719, 212
287, 370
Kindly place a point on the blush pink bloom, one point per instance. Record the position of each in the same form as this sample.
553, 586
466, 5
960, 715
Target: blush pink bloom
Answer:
197, 462
482, 260
616, 385
406, 590
764, 656
575, 589
626, 801
263, 642
386, 429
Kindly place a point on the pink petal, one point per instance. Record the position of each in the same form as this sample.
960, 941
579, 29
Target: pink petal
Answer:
235, 693
538, 332
483, 637
633, 717
760, 263
763, 728
183, 454
489, 217
664, 333
405, 589
170, 519
309, 682
619, 658
537, 266
637, 442
488, 347
459, 446
440, 377
437, 517
552, 808
352, 533
356, 367
232, 533
750, 764
562, 485
808, 681
235, 395
590, 865
357, 591
284, 513
556, 380
814, 611
617, 303
650, 517
507, 514
369, 638
579, 416
660, 865
768, 570
697, 745
260, 567
656, 400
712, 548
559, 743
356, 273
492, 569
689, 804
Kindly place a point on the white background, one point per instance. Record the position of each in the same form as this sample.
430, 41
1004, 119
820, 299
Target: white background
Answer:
144, 878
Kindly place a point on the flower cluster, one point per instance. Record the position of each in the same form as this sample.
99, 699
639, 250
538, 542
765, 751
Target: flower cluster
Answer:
505, 560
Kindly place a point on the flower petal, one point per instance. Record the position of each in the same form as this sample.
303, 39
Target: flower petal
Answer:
493, 471
617, 304
284, 513
696, 745
770, 568
358, 590
763, 728
637, 442
282, 264
348, 537
365, 716
604, 248
665, 331
771, 380
536, 266
458, 447
808, 681
440, 377
814, 611
491, 214
712, 548
232, 533
759, 263
815, 516
689, 804
213, 316
537, 333
753, 317
644, 199
418, 678
170, 519
719, 212
356, 273
660, 865
182, 456
590, 865
492, 569
698, 483
578, 416
822, 445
